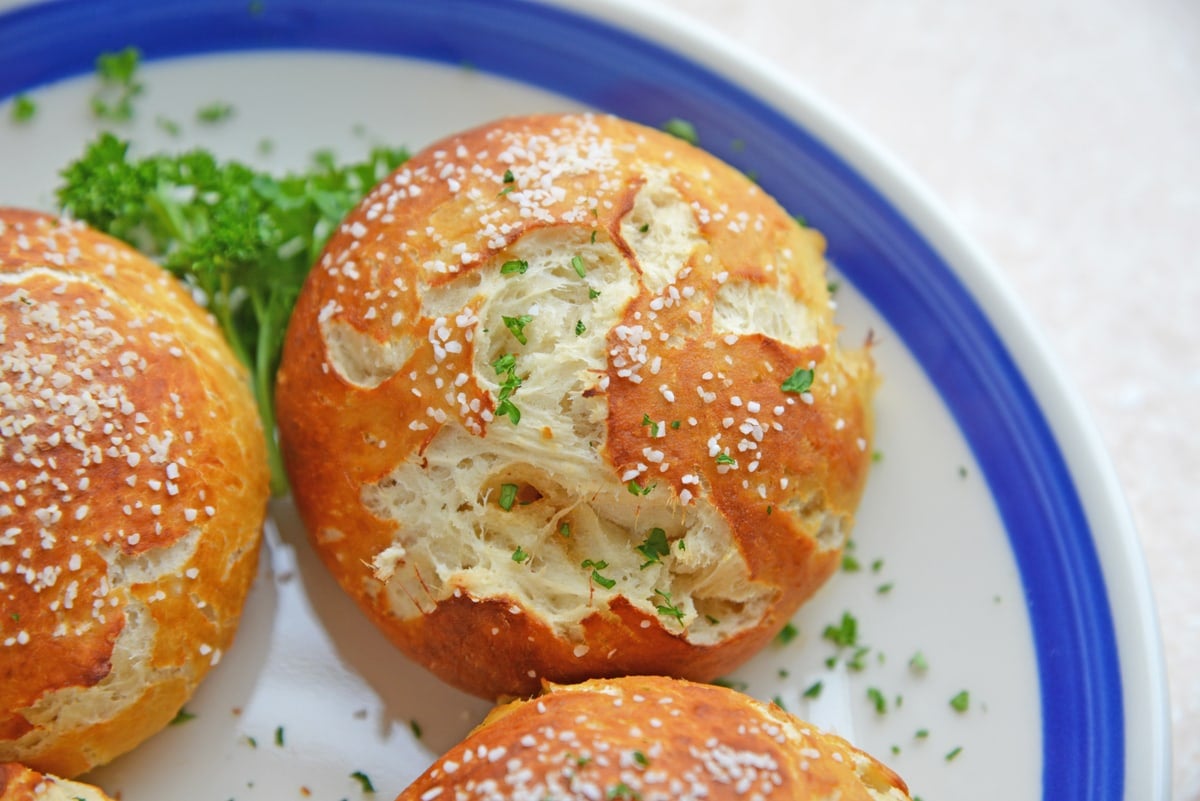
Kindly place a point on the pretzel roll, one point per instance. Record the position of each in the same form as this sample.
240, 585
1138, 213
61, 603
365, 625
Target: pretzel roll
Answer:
564, 398
652, 739
19, 783
133, 488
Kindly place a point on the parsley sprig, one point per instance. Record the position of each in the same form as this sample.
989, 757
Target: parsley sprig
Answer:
243, 238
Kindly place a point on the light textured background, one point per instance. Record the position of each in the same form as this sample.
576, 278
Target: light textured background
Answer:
1064, 137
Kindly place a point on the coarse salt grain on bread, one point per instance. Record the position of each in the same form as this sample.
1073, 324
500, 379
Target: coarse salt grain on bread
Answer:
19, 783
652, 739
133, 487
564, 398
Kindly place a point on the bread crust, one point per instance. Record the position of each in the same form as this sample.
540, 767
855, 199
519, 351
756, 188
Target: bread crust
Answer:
652, 304
133, 488
652, 738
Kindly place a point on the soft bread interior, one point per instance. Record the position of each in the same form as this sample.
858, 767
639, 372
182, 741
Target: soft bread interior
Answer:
571, 511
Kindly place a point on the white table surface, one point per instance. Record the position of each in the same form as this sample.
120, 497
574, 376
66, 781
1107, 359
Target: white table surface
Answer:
1064, 138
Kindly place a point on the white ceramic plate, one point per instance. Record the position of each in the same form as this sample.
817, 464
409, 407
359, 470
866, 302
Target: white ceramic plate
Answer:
992, 517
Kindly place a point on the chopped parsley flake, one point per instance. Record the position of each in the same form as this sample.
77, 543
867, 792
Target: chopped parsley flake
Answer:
641, 759
799, 382
182, 716
508, 495
580, 328
814, 690
637, 489
509, 177
416, 728
786, 634
961, 702
918, 662
725, 458
23, 108
564, 530
682, 129
654, 547
516, 325
118, 87
518, 266
596, 567
850, 563
279, 736
667, 608
506, 365
844, 633
519, 555
644, 228
622, 791
953, 753
214, 112
878, 700
731, 684
646, 421
884, 589
363, 780
577, 263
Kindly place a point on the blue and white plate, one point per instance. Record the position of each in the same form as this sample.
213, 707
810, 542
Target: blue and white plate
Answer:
992, 540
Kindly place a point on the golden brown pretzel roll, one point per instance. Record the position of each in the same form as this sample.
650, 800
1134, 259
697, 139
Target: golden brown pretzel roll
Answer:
19, 783
652, 739
133, 488
563, 398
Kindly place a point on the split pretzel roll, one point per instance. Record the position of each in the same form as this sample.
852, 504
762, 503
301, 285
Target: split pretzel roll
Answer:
133, 488
19, 783
564, 398
652, 739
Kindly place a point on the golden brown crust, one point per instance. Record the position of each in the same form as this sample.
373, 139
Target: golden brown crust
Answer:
725, 296
651, 738
19, 783
132, 493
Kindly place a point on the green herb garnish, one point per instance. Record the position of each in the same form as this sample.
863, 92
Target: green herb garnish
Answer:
519, 555
508, 495
580, 328
725, 458
844, 633
682, 129
953, 753
214, 112
516, 325
877, 699
646, 421
799, 382
182, 716
814, 690
117, 71
637, 489
667, 608
577, 264
918, 663
786, 634
654, 547
23, 108
514, 266
596, 567
243, 238
363, 780
505, 365
961, 701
